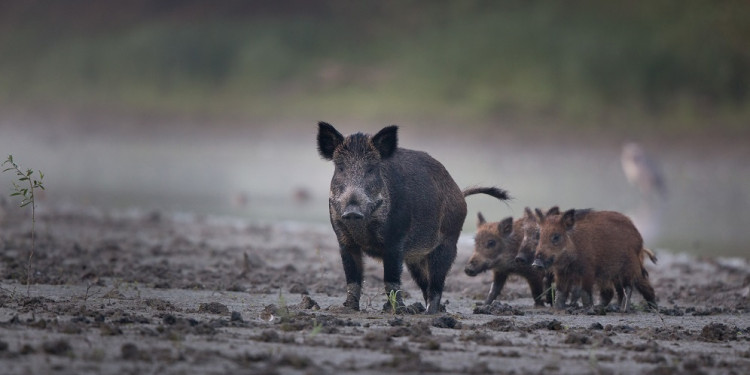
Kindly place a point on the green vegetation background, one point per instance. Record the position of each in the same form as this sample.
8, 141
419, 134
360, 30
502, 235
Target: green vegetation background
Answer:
674, 66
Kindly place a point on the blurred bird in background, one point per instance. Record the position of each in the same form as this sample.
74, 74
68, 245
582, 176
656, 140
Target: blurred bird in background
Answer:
643, 172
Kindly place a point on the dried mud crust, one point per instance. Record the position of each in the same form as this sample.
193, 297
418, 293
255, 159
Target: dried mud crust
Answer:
134, 292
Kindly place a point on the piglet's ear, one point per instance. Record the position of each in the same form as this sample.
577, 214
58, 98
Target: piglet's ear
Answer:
480, 219
386, 141
527, 214
569, 219
553, 211
539, 214
328, 140
506, 226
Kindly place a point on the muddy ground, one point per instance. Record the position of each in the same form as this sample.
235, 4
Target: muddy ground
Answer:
150, 292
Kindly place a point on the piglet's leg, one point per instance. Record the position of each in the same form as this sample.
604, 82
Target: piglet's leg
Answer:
497, 286
561, 296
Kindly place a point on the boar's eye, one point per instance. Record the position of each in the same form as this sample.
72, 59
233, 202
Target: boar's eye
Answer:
536, 236
555, 238
370, 169
491, 243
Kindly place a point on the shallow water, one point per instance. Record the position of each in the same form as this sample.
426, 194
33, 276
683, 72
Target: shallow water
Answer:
273, 175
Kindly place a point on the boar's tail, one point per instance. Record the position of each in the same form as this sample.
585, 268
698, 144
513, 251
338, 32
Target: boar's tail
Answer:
650, 254
493, 191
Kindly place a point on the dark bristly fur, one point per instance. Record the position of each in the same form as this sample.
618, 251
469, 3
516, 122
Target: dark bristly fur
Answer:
394, 204
496, 245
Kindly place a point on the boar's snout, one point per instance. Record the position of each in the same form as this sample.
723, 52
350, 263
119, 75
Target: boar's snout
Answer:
355, 205
352, 214
470, 271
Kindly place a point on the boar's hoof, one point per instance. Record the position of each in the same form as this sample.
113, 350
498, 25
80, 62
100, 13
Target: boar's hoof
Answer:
354, 305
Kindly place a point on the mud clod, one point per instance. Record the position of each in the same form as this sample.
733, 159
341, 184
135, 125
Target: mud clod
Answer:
214, 308
236, 317
129, 351
298, 288
577, 339
718, 332
57, 347
498, 308
446, 321
308, 303
552, 325
501, 324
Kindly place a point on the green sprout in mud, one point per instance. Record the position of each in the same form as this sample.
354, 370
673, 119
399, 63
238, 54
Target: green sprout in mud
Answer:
393, 300
316, 328
27, 193
283, 310
552, 289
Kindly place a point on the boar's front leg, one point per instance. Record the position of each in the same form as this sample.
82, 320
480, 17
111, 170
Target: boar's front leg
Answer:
352, 261
497, 286
392, 267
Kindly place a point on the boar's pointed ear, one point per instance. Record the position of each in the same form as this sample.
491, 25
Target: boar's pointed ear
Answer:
554, 210
506, 226
569, 219
328, 140
480, 219
386, 141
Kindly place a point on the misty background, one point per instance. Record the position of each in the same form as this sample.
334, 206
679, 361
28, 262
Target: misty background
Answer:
212, 107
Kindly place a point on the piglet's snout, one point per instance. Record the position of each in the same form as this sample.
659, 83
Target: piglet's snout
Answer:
538, 263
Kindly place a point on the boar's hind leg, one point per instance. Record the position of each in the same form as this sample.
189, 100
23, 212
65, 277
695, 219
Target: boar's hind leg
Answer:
352, 261
606, 293
647, 291
439, 262
419, 274
626, 301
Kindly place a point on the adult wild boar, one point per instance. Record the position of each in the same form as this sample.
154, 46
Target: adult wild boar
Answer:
600, 248
393, 204
496, 246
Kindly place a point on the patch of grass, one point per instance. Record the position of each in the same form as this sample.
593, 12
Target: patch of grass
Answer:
393, 300
316, 328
